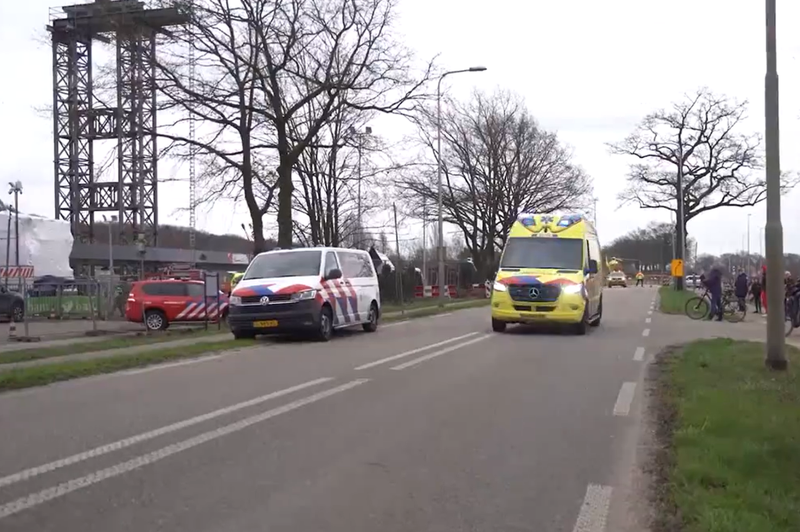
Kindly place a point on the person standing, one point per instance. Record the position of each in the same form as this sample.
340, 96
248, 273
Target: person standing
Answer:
639, 279
714, 285
764, 288
755, 290
740, 289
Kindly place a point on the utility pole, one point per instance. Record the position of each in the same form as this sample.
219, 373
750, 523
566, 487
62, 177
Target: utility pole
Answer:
398, 270
776, 340
748, 244
680, 232
360, 147
424, 241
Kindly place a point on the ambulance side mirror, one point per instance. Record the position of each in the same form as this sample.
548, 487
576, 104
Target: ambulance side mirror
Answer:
592, 266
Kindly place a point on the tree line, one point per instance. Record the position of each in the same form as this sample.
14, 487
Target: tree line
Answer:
283, 92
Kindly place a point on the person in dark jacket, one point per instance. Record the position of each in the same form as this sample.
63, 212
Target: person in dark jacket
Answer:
755, 290
764, 288
714, 284
740, 289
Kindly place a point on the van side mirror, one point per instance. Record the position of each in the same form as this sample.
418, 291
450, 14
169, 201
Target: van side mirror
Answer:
335, 273
592, 266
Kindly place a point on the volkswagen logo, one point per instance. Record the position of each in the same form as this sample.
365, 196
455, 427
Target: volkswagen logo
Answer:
265, 300
533, 292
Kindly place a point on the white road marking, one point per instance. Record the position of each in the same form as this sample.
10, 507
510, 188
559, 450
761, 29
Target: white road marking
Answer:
594, 510
414, 351
394, 324
623, 405
127, 442
649, 312
648, 320
440, 315
440, 352
638, 355
172, 365
65, 488
646, 332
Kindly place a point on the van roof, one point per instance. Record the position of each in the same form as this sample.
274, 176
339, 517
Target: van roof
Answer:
311, 248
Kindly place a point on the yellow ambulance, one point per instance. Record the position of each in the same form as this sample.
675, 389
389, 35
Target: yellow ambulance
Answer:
549, 273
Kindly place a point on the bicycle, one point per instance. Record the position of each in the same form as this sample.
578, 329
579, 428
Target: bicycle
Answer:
791, 309
697, 308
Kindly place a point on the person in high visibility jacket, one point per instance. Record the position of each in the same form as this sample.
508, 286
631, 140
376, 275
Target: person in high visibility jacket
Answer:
639, 279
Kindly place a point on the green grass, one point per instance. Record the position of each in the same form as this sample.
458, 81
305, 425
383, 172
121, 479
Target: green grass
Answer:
120, 342
72, 369
420, 311
671, 301
735, 439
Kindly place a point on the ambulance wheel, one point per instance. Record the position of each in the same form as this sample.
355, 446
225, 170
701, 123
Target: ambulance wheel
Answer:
325, 331
372, 324
498, 326
583, 326
596, 321
155, 320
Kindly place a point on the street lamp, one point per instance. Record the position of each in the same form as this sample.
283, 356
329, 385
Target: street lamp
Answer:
360, 137
773, 232
440, 248
16, 189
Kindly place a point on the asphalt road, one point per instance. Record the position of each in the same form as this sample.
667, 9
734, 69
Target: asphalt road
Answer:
430, 425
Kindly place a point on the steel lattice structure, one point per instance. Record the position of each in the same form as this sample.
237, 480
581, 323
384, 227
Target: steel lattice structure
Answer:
77, 122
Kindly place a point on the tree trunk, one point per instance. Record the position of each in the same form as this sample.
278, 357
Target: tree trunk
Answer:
285, 191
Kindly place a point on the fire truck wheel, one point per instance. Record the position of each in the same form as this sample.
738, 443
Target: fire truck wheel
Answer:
155, 320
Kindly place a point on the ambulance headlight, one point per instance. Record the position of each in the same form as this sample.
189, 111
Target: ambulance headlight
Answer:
499, 287
572, 289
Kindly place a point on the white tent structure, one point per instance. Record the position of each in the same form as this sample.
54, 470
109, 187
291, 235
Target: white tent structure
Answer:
44, 243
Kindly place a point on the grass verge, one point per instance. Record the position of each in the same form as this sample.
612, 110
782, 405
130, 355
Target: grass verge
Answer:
432, 310
729, 432
18, 378
120, 342
671, 301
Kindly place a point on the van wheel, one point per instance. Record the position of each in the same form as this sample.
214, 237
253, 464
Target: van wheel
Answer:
583, 326
372, 324
498, 326
243, 335
155, 320
325, 331
596, 321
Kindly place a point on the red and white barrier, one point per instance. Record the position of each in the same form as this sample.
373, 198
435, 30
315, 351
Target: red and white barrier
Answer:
433, 291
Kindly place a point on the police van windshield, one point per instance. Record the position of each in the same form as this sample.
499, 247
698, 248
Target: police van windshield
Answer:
544, 253
288, 264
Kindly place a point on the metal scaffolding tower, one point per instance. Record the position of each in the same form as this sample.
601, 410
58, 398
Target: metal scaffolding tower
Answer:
77, 122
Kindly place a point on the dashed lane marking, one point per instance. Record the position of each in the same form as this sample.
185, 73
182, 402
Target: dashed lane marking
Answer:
624, 399
638, 355
646, 332
593, 514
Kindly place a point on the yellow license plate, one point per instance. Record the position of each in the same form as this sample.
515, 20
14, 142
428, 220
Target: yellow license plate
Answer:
265, 324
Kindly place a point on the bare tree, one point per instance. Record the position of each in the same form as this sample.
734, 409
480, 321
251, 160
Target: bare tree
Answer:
497, 162
233, 143
318, 57
721, 166
330, 173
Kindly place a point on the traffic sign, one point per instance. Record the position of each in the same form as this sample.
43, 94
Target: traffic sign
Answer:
677, 267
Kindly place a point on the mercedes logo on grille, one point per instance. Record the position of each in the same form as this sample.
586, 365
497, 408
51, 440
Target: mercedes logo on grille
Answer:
265, 300
533, 292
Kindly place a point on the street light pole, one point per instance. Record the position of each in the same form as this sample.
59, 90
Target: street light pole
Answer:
748, 244
776, 356
360, 147
16, 189
440, 247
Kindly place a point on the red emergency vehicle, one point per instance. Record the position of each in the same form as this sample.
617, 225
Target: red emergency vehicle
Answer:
158, 302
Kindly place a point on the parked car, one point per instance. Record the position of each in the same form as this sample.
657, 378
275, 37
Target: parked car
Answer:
617, 279
158, 303
12, 305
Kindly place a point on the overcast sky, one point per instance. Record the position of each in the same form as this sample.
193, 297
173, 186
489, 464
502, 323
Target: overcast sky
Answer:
589, 70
